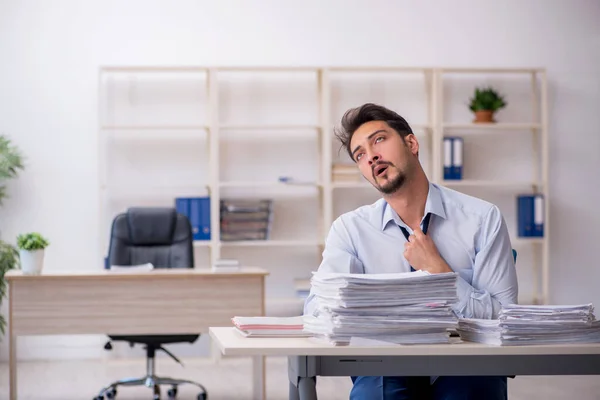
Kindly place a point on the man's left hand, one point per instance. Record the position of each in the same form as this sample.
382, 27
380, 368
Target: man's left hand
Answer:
421, 253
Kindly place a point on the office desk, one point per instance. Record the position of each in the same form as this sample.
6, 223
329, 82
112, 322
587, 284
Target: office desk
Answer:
308, 359
162, 301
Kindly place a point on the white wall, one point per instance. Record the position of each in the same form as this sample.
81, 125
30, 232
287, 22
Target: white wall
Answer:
50, 53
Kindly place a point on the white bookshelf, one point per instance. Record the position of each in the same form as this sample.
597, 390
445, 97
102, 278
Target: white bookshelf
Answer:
522, 129
228, 132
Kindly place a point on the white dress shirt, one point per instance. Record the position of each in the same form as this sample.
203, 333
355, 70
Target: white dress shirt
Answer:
469, 233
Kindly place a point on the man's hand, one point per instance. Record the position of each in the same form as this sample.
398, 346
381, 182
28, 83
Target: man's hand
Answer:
421, 253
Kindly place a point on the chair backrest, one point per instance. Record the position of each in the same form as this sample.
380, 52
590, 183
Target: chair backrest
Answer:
156, 235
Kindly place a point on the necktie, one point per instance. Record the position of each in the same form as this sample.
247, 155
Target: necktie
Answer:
425, 227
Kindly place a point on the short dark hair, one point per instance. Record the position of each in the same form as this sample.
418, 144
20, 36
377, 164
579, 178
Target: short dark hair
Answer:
355, 117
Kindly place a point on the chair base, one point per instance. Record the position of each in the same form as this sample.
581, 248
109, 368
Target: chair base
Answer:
153, 382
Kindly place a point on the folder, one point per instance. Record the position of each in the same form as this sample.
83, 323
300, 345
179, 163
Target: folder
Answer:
447, 158
453, 158
457, 158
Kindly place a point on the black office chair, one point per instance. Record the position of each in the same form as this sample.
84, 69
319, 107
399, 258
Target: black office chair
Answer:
164, 238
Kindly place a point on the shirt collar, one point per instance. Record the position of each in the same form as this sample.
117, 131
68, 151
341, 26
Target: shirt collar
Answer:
434, 205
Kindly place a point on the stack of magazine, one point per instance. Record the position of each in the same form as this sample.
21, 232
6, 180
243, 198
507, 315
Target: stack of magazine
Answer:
534, 324
246, 219
401, 308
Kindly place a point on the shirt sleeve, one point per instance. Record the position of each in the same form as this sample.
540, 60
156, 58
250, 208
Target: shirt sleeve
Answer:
339, 256
494, 280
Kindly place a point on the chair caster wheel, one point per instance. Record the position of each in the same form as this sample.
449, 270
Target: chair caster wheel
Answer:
202, 396
172, 393
112, 394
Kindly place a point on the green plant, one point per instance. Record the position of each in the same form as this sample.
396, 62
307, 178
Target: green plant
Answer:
486, 99
11, 161
32, 241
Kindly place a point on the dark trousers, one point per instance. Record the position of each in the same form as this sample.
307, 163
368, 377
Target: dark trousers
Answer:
419, 388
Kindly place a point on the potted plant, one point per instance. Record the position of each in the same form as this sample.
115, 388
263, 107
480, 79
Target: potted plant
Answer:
485, 102
11, 161
31, 252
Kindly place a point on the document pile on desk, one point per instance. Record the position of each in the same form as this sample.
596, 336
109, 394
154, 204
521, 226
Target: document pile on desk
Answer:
534, 324
270, 326
401, 308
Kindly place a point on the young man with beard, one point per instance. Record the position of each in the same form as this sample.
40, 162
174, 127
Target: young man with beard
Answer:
424, 226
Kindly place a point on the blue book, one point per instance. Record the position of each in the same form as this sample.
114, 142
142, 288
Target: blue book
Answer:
538, 215
525, 215
447, 158
457, 158
182, 205
200, 217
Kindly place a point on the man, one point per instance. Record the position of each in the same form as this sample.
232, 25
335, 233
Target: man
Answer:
424, 226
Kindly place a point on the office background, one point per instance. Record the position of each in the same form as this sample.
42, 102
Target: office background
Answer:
51, 53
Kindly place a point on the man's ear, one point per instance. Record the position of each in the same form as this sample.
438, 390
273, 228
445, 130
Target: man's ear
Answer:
412, 143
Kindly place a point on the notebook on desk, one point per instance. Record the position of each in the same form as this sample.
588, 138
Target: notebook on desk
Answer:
270, 326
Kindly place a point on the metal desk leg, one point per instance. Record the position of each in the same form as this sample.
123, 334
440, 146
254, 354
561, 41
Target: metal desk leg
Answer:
259, 378
302, 374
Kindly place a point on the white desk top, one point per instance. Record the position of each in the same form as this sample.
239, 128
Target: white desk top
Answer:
181, 273
231, 343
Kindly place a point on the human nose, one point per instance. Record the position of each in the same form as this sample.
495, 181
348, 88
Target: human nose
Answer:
373, 158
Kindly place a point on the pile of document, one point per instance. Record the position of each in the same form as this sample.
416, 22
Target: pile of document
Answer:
402, 308
270, 326
534, 324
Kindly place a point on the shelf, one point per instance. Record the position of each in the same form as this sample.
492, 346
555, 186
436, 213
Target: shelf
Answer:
526, 241
500, 126
351, 185
154, 135
202, 243
267, 127
492, 70
267, 184
489, 183
271, 243
154, 127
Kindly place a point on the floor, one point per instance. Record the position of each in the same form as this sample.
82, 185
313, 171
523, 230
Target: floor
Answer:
230, 379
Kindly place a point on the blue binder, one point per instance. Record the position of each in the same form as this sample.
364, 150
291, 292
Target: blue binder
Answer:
538, 215
530, 214
457, 158
197, 210
447, 158
453, 158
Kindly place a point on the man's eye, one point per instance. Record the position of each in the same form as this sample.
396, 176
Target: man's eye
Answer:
358, 156
377, 140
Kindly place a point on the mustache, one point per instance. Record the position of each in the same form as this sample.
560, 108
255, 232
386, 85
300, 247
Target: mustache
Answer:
378, 164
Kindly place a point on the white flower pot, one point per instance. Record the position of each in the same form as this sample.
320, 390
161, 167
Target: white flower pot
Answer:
32, 261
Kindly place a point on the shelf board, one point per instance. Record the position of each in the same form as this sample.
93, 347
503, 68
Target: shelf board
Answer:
351, 185
500, 126
488, 183
271, 243
154, 127
525, 240
162, 136
492, 70
266, 184
202, 243
269, 127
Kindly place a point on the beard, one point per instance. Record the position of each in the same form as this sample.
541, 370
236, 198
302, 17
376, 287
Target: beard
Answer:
391, 186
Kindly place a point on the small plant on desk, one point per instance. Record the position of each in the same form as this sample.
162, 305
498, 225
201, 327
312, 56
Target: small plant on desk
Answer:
31, 252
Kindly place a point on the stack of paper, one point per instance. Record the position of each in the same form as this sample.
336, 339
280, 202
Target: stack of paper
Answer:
534, 324
413, 307
270, 326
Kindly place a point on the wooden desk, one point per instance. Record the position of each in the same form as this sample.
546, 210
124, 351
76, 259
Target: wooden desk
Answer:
162, 301
308, 359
